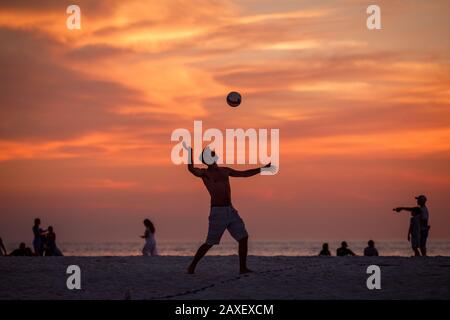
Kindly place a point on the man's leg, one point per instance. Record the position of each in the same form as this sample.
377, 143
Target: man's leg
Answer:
415, 242
243, 249
423, 251
216, 228
238, 231
423, 246
200, 254
36, 250
423, 242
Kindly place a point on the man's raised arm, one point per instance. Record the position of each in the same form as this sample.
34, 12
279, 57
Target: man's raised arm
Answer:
246, 173
195, 171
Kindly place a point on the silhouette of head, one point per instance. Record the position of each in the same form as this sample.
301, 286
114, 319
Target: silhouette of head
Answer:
371, 243
37, 221
325, 246
208, 157
50, 229
22, 246
421, 200
149, 224
344, 244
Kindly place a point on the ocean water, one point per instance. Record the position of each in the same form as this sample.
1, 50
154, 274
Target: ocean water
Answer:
260, 248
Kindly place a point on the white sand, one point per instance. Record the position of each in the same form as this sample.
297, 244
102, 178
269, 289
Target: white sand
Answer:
217, 278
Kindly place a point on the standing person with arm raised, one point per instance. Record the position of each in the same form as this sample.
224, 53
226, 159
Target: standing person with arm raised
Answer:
223, 216
419, 227
39, 238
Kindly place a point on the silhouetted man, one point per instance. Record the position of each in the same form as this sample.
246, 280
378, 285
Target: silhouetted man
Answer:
418, 228
22, 251
370, 250
222, 215
325, 250
344, 250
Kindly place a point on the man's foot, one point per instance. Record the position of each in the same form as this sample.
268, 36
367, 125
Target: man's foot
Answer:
191, 270
246, 270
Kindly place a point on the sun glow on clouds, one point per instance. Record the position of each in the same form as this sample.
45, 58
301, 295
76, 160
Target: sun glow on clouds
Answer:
139, 69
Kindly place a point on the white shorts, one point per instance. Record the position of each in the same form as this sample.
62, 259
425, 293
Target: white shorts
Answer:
221, 218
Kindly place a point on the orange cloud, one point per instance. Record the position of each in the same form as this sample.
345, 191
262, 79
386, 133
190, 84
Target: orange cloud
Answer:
364, 116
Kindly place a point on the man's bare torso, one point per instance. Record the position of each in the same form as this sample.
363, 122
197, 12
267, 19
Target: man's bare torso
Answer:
216, 180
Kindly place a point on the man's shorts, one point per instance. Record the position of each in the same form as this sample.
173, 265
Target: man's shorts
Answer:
221, 218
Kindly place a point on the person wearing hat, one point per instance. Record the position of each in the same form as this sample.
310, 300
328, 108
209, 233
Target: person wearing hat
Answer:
419, 228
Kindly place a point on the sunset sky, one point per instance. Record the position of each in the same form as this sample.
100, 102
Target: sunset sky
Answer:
86, 115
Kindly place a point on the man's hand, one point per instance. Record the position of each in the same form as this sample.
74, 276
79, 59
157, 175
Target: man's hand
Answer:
195, 171
269, 168
186, 146
191, 153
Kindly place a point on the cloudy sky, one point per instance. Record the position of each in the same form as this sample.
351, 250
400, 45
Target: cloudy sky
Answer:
86, 115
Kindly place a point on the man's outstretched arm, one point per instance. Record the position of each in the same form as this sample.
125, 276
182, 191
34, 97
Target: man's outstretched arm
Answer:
195, 171
398, 209
246, 173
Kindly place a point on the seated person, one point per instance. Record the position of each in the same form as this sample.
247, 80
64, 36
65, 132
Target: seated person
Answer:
344, 250
22, 251
371, 251
325, 251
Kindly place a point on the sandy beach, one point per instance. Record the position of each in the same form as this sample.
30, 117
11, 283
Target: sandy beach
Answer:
217, 278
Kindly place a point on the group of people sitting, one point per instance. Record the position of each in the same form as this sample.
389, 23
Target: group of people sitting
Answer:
44, 243
369, 251
22, 251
